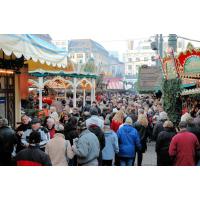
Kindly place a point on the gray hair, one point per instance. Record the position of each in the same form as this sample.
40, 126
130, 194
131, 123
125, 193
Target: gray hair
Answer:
3, 122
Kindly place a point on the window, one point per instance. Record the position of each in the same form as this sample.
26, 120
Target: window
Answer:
79, 55
146, 59
72, 55
129, 59
129, 67
137, 59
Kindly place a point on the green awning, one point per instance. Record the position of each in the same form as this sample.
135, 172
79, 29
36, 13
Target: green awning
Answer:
188, 85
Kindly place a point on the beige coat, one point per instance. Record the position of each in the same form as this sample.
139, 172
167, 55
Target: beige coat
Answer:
59, 150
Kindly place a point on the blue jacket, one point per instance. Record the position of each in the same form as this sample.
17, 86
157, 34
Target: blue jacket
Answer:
128, 139
111, 147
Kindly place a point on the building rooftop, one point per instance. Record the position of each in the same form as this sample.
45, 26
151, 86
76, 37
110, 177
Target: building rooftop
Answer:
85, 45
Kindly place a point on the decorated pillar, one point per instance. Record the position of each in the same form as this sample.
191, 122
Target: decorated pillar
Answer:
74, 92
83, 96
17, 99
40, 81
93, 91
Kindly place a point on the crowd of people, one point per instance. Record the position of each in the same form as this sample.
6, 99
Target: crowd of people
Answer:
113, 131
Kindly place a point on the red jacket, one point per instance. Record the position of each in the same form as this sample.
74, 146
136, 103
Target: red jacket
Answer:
115, 125
183, 149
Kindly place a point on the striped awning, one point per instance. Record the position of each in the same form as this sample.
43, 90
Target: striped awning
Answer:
32, 47
115, 85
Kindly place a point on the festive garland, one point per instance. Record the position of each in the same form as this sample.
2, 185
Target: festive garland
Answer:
172, 103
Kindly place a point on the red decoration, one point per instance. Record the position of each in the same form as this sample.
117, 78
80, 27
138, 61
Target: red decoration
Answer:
47, 100
185, 55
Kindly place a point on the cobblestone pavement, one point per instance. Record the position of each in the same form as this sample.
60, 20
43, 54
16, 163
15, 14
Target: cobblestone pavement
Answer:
149, 158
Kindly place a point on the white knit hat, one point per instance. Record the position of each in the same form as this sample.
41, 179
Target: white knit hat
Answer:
129, 121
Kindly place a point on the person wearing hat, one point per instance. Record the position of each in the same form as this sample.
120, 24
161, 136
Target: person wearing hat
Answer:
111, 145
129, 140
36, 126
86, 147
59, 149
33, 156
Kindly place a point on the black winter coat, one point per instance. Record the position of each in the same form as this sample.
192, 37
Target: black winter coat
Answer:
7, 142
194, 128
32, 156
157, 129
70, 132
162, 147
143, 132
100, 135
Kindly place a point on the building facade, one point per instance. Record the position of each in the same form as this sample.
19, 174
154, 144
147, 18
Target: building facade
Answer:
137, 55
81, 51
63, 44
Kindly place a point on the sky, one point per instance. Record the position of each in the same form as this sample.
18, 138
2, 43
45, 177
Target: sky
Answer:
109, 22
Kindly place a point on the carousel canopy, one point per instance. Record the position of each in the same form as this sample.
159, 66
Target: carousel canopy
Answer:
32, 47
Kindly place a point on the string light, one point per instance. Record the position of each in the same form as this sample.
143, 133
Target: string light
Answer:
6, 71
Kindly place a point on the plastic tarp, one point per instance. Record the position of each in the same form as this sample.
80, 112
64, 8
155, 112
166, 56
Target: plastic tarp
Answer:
32, 47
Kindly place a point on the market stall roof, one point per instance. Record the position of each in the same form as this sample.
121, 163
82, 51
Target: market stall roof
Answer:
114, 83
42, 70
32, 47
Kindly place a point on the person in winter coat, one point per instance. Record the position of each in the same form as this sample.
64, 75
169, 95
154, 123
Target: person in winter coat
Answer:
59, 149
117, 120
183, 147
7, 142
33, 156
162, 144
193, 126
94, 119
36, 126
159, 125
25, 125
50, 125
94, 105
53, 114
70, 129
111, 146
129, 139
142, 127
86, 147
101, 137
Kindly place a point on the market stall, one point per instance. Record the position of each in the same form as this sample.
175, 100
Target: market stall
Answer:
15, 49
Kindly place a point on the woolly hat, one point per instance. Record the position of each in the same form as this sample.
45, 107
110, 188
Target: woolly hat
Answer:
129, 121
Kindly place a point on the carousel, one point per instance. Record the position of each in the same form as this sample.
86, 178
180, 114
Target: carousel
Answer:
61, 83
